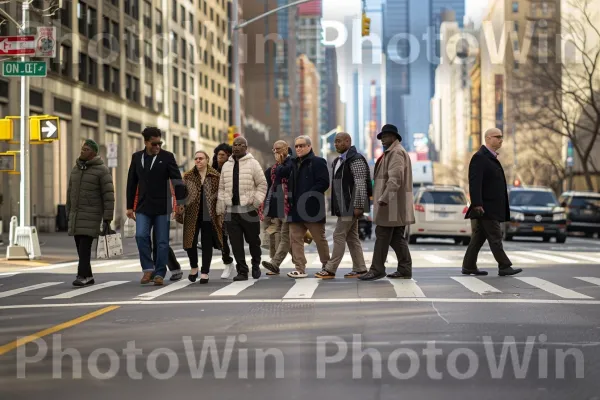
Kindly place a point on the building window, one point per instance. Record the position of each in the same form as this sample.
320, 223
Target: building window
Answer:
192, 83
92, 27
106, 77
176, 145
184, 147
128, 86
136, 90
159, 101
159, 64
174, 10
182, 13
116, 81
175, 112
184, 114
116, 34
65, 60
515, 6
82, 67
175, 77
174, 39
92, 72
191, 23
191, 51
148, 95
193, 118
65, 14
148, 55
183, 82
183, 49
159, 21
147, 15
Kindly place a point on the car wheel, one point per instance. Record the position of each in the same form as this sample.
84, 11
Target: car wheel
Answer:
412, 239
561, 239
457, 240
466, 241
546, 238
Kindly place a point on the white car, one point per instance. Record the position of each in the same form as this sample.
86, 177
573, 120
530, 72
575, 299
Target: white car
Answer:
440, 213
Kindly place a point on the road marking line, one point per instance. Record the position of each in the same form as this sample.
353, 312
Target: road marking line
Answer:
8, 274
435, 259
365, 300
38, 335
167, 289
234, 288
107, 264
50, 267
548, 257
476, 285
522, 260
303, 288
553, 288
79, 292
406, 288
27, 289
592, 280
586, 258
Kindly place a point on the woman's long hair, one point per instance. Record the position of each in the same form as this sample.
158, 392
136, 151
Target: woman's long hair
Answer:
222, 147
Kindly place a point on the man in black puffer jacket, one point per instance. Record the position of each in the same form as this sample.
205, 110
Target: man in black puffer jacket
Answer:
90, 201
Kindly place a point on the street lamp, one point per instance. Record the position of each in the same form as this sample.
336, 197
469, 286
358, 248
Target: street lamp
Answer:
237, 113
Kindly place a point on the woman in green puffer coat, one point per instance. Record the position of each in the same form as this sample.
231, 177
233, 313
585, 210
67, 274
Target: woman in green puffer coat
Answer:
90, 201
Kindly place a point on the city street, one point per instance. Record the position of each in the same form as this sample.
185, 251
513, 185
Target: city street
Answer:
440, 335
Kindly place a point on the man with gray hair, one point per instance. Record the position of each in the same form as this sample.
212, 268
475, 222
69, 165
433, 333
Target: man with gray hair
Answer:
489, 206
308, 181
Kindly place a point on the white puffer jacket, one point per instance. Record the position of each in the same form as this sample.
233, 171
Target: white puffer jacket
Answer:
253, 184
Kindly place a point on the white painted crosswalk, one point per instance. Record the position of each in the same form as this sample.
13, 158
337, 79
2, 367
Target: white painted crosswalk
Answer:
428, 287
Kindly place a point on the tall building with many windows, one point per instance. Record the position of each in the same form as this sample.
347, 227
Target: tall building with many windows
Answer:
122, 66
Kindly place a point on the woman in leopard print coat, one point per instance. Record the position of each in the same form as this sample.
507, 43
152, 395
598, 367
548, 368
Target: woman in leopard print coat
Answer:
200, 216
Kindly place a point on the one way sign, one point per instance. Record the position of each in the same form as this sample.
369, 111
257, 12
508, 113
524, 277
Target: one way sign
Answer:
44, 128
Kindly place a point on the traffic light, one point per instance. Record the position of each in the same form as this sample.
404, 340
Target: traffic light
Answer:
366, 25
231, 135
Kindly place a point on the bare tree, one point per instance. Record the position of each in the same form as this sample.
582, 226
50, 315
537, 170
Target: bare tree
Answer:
556, 95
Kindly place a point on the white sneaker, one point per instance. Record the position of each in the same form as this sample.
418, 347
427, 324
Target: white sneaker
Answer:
229, 268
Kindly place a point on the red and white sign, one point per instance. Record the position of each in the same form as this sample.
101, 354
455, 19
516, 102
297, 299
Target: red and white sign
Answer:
17, 45
45, 42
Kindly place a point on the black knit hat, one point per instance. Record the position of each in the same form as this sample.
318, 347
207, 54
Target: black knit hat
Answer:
389, 128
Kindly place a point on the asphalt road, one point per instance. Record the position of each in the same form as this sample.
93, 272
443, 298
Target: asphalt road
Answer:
437, 336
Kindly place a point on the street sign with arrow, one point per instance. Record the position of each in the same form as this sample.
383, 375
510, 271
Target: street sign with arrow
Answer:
17, 45
44, 128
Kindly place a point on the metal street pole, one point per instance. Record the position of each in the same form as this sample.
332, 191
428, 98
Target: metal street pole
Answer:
237, 112
25, 210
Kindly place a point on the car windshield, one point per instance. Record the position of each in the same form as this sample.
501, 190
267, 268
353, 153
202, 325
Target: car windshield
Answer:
532, 199
586, 202
452, 198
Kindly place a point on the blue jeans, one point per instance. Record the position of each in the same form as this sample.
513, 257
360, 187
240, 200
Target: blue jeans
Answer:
143, 226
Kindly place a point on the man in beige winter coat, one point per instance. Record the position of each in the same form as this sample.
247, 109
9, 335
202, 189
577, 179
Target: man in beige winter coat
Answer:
242, 189
392, 206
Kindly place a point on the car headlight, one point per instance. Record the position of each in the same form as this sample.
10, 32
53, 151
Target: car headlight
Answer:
559, 217
517, 216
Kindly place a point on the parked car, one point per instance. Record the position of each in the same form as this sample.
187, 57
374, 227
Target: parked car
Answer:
440, 213
535, 212
583, 212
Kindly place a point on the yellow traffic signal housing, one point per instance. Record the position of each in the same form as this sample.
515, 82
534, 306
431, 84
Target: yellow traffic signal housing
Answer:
231, 134
366, 25
6, 129
44, 128
8, 162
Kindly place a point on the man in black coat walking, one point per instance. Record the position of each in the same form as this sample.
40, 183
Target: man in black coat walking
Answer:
153, 170
489, 206
308, 181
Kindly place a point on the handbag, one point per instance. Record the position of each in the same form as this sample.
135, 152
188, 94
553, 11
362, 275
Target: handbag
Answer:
129, 228
109, 244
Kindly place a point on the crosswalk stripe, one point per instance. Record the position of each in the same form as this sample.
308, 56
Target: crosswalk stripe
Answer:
548, 257
167, 289
406, 288
28, 288
475, 284
303, 288
586, 258
234, 288
522, 260
592, 280
79, 292
8, 274
435, 259
108, 263
553, 288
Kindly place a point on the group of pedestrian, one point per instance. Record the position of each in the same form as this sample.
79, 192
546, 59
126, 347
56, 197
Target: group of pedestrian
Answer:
226, 201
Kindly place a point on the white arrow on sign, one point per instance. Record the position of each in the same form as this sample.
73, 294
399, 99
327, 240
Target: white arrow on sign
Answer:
49, 129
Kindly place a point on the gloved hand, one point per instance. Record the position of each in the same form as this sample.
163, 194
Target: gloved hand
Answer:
106, 226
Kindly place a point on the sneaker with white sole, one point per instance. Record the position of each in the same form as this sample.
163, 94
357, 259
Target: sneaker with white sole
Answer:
229, 268
297, 274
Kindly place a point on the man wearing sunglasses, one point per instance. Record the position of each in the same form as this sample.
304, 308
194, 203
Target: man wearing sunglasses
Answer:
153, 170
489, 206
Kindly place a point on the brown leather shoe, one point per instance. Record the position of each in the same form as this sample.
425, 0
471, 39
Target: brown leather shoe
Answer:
158, 281
146, 278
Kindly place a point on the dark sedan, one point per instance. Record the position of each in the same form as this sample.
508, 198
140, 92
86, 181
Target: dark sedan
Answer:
535, 212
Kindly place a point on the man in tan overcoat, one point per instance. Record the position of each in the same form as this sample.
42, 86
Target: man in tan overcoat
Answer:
392, 206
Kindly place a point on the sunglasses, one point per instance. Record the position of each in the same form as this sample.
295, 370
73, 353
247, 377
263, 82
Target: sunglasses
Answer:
198, 158
156, 144
300, 145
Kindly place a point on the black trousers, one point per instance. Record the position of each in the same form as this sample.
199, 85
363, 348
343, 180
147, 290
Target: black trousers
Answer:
240, 227
207, 246
172, 262
226, 251
482, 230
84, 251
386, 237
